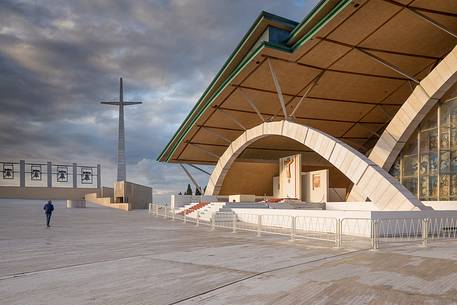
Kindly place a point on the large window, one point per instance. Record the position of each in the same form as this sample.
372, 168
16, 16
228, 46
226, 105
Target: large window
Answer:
427, 166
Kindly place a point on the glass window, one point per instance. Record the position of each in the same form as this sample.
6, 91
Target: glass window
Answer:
423, 188
453, 187
424, 165
396, 169
433, 188
427, 165
410, 166
411, 184
444, 187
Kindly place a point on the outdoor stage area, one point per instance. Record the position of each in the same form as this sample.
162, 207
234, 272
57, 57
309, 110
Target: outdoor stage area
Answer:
100, 255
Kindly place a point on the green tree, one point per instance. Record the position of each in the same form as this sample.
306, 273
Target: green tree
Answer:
189, 190
197, 192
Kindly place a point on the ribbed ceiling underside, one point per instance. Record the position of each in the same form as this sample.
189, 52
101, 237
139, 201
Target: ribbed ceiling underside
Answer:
356, 94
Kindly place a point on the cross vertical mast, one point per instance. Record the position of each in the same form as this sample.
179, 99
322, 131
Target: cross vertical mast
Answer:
121, 169
120, 159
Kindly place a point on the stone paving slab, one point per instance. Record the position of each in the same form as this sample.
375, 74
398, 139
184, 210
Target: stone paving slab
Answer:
105, 256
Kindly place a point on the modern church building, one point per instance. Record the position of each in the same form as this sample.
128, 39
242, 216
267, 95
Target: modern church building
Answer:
356, 103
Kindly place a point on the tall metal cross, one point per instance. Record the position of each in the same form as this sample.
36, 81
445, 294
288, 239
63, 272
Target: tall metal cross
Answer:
121, 169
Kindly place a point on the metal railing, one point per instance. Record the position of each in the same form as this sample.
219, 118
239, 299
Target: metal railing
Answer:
338, 232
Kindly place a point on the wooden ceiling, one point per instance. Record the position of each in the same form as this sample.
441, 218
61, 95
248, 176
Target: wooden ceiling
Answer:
365, 59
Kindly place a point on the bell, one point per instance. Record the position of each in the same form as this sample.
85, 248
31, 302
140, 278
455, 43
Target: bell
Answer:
62, 175
36, 174
8, 173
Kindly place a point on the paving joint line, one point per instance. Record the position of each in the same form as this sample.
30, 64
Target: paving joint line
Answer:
262, 273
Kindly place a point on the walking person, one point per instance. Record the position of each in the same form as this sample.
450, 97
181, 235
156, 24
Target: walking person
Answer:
48, 208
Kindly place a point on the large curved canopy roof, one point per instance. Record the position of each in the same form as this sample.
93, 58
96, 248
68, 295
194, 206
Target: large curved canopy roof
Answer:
346, 70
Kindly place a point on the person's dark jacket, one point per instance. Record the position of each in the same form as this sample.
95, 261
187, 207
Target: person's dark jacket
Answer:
48, 208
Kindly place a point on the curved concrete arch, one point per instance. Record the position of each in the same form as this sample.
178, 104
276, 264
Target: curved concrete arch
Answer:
384, 190
426, 94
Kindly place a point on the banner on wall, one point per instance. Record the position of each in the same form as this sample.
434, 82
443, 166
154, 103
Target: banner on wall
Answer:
8, 171
62, 174
86, 175
35, 172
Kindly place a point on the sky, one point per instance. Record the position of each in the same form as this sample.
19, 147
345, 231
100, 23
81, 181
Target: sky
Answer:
60, 59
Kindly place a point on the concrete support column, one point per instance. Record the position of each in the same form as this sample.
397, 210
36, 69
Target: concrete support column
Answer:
75, 175
22, 173
99, 176
49, 173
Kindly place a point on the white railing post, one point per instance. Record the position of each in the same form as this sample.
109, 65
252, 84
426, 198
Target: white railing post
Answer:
157, 210
213, 222
150, 209
173, 211
425, 231
259, 225
234, 223
338, 233
374, 234
198, 219
292, 228
184, 218
165, 211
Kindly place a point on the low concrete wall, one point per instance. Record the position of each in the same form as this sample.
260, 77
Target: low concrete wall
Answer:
138, 196
76, 204
351, 206
45, 193
178, 201
370, 206
349, 214
441, 205
356, 223
107, 192
308, 213
106, 202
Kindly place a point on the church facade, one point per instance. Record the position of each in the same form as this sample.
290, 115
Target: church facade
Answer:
360, 98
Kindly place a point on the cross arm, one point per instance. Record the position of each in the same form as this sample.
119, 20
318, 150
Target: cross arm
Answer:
110, 103
131, 103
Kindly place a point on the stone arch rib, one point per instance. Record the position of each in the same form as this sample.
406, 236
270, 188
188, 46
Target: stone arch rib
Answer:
384, 190
407, 119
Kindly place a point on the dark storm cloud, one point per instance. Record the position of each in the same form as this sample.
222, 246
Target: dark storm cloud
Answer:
59, 59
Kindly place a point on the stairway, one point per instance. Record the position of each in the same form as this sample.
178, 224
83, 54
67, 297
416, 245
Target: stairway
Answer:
193, 208
185, 207
206, 212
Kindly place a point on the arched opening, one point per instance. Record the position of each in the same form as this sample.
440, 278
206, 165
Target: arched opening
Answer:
252, 172
375, 183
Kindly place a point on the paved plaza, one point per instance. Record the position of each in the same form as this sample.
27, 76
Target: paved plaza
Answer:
106, 256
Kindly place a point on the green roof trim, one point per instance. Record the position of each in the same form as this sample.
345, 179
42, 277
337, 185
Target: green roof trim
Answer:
338, 8
307, 19
257, 22
226, 82
188, 123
